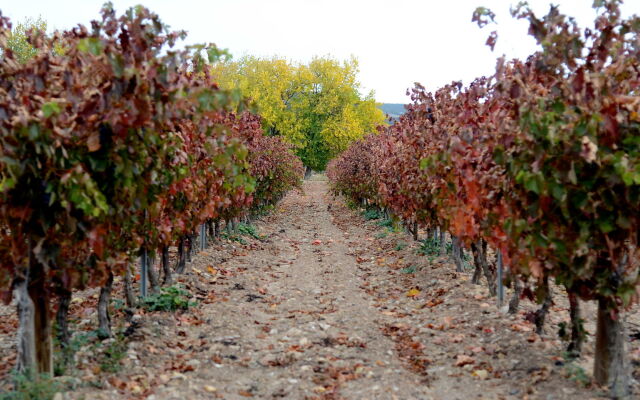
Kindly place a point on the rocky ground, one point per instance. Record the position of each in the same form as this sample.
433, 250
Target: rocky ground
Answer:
326, 306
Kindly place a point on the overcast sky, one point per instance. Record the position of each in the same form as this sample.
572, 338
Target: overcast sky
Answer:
397, 42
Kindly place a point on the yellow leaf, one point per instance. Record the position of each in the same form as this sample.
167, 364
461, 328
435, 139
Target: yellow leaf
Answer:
212, 270
481, 373
413, 292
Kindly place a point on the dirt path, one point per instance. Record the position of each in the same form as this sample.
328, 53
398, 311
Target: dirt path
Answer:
313, 332
315, 311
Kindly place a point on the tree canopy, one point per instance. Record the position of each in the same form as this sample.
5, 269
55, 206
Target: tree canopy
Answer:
17, 39
317, 107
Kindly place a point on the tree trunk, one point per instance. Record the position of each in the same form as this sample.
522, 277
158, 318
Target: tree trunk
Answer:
62, 323
39, 294
489, 272
210, 230
541, 313
443, 248
610, 366
130, 298
182, 257
154, 281
64, 300
477, 273
577, 330
482, 266
189, 244
455, 254
166, 268
104, 321
203, 238
26, 341
514, 303
216, 226
415, 231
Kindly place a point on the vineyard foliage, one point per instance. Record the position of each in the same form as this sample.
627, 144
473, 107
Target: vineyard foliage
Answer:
541, 160
112, 140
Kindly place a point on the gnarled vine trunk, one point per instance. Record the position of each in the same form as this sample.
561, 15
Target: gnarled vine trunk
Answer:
182, 257
216, 226
39, 294
104, 320
26, 341
610, 367
514, 303
541, 314
456, 254
62, 323
477, 272
577, 330
479, 250
166, 268
188, 248
154, 280
129, 296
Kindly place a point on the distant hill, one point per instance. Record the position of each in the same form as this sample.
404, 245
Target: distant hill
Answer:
395, 110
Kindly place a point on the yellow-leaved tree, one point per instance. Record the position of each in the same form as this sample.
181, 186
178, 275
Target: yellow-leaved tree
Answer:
317, 106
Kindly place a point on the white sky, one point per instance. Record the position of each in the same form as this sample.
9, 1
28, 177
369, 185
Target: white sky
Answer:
397, 42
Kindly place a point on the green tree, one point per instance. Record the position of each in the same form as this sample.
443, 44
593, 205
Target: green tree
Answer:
317, 107
18, 39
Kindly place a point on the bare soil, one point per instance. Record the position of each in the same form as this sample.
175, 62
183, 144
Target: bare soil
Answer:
328, 306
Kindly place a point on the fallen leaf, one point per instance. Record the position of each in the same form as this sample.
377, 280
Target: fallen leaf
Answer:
456, 338
463, 359
447, 322
210, 389
413, 292
521, 328
481, 373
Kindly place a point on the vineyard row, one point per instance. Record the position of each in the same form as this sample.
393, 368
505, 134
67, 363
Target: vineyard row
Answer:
113, 145
539, 162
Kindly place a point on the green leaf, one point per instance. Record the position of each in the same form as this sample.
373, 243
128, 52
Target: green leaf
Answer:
50, 108
557, 191
90, 45
605, 225
7, 183
533, 184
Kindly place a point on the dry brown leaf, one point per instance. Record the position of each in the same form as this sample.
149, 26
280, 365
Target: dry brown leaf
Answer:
463, 359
